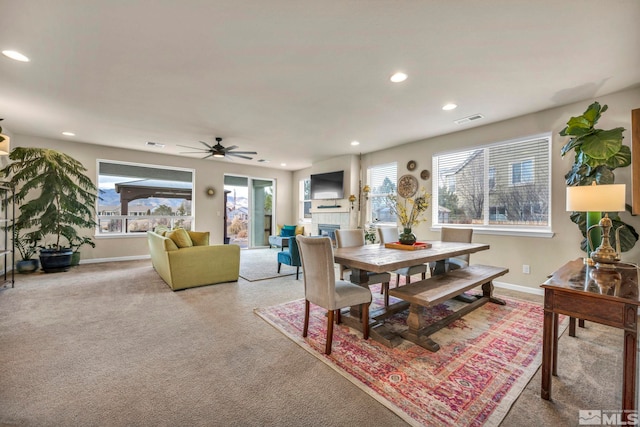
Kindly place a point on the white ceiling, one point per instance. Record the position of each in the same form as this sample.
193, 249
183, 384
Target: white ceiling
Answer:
298, 80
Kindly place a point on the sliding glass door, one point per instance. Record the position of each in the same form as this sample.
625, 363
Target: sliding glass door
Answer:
249, 210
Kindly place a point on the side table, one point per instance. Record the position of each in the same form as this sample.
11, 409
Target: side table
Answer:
605, 296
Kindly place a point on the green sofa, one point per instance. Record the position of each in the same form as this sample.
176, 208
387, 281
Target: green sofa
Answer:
197, 265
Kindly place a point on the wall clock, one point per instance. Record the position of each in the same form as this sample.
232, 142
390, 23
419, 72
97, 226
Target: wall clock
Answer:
407, 186
412, 165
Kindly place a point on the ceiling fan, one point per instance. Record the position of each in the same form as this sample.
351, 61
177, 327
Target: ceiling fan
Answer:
218, 150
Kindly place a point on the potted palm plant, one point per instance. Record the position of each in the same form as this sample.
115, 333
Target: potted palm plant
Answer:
60, 201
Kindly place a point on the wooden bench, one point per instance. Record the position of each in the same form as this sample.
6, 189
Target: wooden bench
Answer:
436, 289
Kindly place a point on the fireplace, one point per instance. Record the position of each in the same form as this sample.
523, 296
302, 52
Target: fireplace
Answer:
328, 230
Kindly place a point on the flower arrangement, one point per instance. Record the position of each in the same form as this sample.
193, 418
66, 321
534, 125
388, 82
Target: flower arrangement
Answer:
409, 210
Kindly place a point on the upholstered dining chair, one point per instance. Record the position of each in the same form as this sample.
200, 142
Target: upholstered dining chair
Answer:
322, 289
449, 234
290, 257
390, 235
355, 237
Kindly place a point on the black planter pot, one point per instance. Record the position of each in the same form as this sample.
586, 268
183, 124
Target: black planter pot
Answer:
27, 266
55, 260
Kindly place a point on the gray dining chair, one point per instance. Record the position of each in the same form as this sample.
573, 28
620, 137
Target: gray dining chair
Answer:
390, 235
449, 234
322, 289
355, 237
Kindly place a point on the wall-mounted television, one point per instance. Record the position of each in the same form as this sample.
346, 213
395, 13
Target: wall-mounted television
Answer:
327, 186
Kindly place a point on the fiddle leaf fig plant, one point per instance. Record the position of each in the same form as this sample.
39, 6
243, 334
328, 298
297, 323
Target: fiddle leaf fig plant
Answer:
597, 153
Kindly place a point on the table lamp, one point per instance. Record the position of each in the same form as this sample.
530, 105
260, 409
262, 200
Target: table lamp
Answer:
595, 199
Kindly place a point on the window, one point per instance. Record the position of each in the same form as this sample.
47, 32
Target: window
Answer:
521, 172
502, 185
305, 199
135, 198
383, 181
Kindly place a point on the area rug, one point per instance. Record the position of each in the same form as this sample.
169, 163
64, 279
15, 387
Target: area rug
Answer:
262, 264
485, 360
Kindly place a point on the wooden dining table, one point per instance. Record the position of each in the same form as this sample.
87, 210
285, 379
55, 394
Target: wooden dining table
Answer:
377, 258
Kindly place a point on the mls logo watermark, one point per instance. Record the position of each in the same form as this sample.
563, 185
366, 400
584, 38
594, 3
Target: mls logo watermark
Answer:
600, 417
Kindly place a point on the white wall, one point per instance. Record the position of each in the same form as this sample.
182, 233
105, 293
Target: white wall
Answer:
209, 211
544, 255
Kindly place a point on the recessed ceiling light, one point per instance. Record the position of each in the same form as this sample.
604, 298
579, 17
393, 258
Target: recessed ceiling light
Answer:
155, 144
15, 55
398, 77
355, 143
68, 134
283, 164
449, 107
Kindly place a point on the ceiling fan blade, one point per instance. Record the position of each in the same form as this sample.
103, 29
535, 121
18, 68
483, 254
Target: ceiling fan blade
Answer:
192, 152
206, 145
206, 157
193, 148
239, 155
233, 147
242, 152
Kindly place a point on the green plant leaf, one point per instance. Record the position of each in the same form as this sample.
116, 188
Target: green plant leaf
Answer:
602, 144
621, 159
577, 126
573, 143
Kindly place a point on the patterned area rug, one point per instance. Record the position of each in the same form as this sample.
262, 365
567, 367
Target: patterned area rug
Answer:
262, 264
485, 360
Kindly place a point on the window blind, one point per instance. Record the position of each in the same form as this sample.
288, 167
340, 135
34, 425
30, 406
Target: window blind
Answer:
383, 180
500, 185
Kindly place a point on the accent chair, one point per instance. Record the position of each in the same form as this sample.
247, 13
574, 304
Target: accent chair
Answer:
322, 289
290, 257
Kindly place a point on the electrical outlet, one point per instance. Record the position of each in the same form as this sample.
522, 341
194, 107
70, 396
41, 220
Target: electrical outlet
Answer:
526, 269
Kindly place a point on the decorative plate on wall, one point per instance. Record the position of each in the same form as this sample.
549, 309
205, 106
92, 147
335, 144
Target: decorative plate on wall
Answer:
407, 186
412, 165
425, 174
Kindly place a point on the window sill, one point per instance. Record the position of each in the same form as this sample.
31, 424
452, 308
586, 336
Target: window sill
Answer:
118, 236
519, 232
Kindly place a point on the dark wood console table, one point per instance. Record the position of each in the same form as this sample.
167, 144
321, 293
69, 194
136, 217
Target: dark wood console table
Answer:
609, 297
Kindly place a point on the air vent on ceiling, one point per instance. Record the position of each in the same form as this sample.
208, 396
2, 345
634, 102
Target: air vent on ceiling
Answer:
155, 144
468, 119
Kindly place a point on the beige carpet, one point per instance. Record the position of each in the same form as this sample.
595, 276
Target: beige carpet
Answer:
111, 345
262, 264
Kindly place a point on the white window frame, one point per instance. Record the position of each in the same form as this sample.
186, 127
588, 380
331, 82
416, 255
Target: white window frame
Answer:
302, 200
369, 216
498, 229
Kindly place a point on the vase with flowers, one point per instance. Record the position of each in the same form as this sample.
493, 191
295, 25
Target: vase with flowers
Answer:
409, 212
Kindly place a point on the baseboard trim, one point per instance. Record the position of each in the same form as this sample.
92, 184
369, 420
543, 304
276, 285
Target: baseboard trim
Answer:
114, 259
519, 288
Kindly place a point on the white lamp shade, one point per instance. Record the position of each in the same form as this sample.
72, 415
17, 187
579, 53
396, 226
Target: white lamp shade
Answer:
596, 198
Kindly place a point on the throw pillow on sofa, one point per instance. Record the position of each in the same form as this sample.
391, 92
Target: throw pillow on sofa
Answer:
180, 237
288, 231
199, 238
